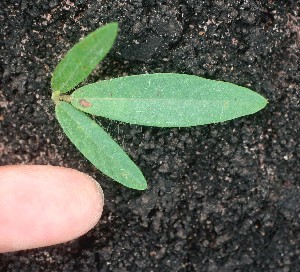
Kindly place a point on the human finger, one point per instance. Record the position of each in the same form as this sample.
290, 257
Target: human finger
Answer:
45, 205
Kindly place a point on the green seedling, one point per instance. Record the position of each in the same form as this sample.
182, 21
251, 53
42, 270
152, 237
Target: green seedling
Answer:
162, 100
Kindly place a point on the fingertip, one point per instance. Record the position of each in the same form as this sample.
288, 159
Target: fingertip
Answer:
46, 205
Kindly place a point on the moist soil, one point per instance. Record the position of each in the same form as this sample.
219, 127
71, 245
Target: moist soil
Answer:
221, 197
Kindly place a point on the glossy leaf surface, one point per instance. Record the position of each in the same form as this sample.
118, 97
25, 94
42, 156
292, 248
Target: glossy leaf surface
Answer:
83, 57
98, 147
167, 100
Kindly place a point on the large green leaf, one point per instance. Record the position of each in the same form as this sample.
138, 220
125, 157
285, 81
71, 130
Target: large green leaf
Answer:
167, 100
83, 57
98, 147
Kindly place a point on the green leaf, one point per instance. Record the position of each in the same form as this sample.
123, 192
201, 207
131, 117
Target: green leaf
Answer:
98, 147
83, 57
167, 100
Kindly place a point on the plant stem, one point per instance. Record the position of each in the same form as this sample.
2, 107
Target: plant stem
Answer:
66, 98
56, 97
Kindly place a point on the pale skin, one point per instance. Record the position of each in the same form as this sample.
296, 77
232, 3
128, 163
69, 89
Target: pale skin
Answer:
45, 205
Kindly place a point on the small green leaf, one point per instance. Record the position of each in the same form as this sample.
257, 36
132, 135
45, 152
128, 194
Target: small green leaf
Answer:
83, 57
167, 100
98, 147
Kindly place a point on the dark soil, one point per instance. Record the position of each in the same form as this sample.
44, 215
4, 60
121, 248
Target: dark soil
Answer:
222, 197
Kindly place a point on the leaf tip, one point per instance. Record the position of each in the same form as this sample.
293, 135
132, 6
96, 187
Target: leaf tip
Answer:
115, 24
113, 28
264, 102
140, 186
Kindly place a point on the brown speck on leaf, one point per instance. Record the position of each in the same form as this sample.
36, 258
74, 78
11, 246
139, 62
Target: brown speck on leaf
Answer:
84, 103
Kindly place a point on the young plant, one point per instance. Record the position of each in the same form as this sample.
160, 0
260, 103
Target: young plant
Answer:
162, 100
